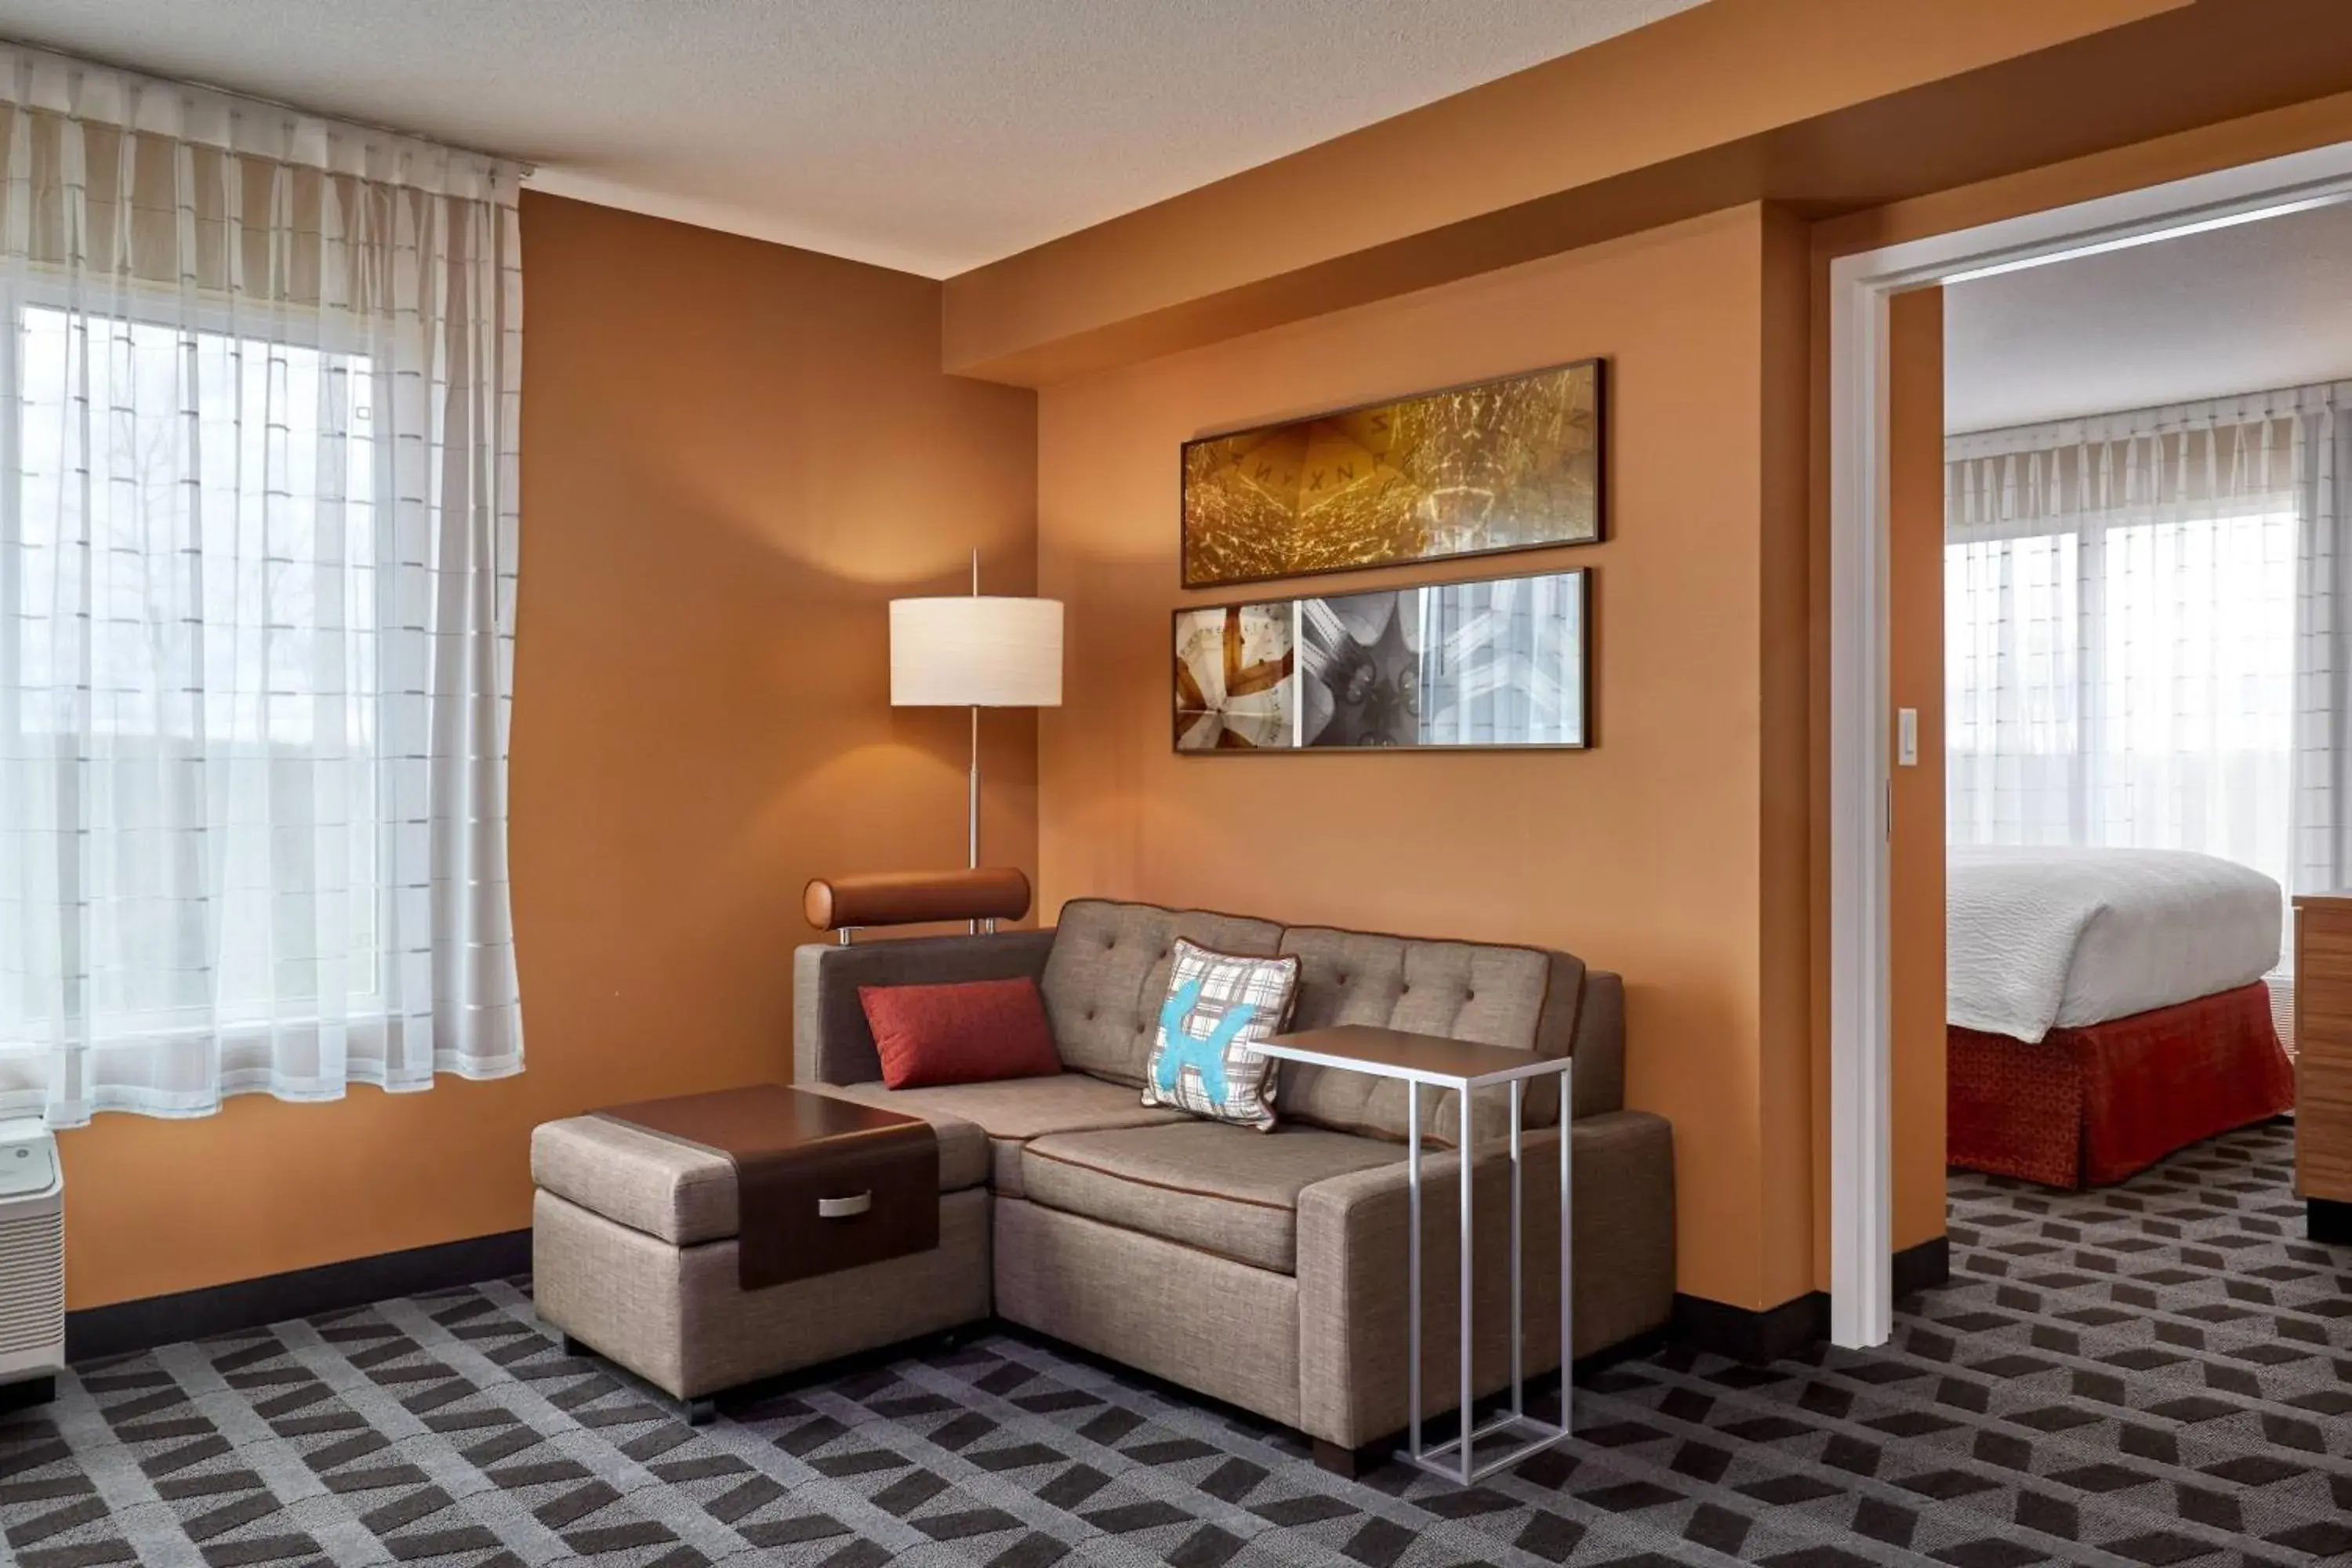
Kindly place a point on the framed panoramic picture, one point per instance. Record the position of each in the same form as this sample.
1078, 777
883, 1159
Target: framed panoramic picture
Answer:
1505, 465
1501, 662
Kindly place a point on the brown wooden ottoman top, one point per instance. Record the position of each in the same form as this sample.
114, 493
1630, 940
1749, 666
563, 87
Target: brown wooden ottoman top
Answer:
821, 1183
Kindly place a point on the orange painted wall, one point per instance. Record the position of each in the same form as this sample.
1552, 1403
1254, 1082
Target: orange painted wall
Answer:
733, 454
1915, 573
1659, 852
1785, 760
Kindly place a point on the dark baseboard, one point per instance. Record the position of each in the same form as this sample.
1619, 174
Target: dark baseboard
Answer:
1748, 1334
1926, 1267
2327, 1222
28, 1394
128, 1326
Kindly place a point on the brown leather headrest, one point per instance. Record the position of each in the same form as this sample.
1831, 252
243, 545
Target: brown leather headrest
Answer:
915, 897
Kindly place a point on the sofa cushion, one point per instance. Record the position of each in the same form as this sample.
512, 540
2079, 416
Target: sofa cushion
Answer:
973, 1031
1221, 1008
1012, 1111
1222, 1188
1522, 997
1107, 975
679, 1192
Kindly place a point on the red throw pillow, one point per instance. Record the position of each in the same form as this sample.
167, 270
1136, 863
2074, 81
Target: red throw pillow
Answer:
968, 1033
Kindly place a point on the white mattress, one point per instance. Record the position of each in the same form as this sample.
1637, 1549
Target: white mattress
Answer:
2058, 938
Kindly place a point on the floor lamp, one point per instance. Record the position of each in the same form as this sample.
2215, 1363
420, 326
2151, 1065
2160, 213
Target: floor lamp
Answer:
978, 651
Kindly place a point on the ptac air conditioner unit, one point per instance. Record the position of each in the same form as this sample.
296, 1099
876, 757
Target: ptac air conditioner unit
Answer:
31, 1261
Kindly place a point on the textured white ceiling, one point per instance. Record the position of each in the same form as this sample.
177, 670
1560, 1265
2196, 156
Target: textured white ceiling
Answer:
2247, 308
931, 135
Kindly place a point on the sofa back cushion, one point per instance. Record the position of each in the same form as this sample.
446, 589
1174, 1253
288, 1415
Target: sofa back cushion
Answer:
1521, 997
1107, 975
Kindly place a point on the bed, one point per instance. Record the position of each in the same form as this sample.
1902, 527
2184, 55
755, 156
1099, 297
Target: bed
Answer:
2106, 1008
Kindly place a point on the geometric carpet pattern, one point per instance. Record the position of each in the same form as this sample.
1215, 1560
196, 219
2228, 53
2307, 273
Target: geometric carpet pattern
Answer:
2159, 1373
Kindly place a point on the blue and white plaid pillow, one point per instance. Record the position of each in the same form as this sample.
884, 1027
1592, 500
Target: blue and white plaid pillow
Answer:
1218, 1007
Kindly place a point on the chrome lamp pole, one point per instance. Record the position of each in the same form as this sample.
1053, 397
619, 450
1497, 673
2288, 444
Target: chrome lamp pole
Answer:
975, 651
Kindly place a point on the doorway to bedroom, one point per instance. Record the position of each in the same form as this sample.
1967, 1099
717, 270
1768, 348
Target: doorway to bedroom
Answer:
2143, 746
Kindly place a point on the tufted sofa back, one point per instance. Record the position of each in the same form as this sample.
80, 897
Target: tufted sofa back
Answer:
1464, 991
1108, 974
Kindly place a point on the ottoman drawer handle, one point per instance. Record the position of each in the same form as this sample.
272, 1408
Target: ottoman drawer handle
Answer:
843, 1209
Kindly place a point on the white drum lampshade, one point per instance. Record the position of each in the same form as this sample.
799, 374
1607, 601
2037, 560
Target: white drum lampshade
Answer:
976, 651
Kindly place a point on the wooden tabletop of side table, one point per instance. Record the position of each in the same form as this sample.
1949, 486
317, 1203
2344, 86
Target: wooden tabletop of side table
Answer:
1419, 1058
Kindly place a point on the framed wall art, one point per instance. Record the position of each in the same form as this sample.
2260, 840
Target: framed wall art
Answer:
1514, 464
1500, 662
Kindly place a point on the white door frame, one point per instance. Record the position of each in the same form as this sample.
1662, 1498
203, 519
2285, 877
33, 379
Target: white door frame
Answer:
1862, 1288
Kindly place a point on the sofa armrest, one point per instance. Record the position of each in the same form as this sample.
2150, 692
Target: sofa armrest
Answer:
831, 1042
1352, 1278
1600, 1045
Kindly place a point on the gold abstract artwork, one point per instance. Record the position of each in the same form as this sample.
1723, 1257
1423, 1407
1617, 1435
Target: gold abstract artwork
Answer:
1505, 465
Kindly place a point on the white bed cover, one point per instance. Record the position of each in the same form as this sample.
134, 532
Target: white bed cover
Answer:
2039, 938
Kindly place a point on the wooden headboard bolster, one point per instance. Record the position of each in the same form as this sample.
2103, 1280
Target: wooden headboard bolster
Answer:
916, 898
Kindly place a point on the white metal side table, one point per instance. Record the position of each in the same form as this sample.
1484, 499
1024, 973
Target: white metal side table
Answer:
1463, 1066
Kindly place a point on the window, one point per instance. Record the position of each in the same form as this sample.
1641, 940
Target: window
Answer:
196, 608
2126, 681
260, 416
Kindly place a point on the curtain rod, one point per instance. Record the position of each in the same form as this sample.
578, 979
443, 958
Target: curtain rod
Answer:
2152, 419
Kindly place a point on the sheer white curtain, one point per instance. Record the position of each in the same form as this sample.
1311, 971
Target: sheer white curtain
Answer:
2145, 634
2323, 624
2120, 637
258, 400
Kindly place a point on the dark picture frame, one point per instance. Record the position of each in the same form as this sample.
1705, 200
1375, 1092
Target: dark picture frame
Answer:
1487, 467
1485, 664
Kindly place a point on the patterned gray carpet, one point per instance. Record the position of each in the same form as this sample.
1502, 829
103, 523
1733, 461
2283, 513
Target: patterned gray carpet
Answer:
2156, 1374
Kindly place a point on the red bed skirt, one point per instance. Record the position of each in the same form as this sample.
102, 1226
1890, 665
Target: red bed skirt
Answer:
2089, 1106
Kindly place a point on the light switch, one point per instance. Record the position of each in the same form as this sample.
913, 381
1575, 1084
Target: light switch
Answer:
1906, 736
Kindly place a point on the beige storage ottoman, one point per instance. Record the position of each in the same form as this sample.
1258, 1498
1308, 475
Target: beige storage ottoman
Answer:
636, 1256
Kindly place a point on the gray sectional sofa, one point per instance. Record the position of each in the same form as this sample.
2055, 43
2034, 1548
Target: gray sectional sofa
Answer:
1268, 1269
